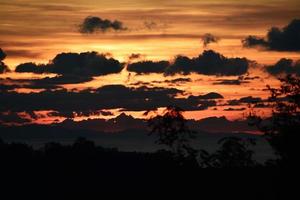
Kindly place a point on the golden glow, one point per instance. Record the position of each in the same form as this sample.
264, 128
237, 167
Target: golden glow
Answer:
36, 31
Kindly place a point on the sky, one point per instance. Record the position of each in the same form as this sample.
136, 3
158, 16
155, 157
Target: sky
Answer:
135, 31
38, 30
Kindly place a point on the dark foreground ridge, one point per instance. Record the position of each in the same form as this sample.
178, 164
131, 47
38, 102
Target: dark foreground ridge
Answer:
83, 170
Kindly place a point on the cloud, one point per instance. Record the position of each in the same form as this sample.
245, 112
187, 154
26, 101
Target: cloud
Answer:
221, 125
278, 39
134, 56
9, 84
209, 38
285, 66
2, 55
209, 63
12, 118
94, 64
234, 109
93, 24
30, 67
146, 67
211, 95
104, 98
245, 100
156, 26
178, 80
82, 64
3, 68
230, 82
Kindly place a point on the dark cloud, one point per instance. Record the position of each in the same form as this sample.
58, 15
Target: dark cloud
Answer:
221, 124
44, 83
60, 80
2, 55
209, 38
146, 67
211, 95
240, 80
230, 82
285, 66
178, 80
82, 64
12, 118
173, 81
134, 56
209, 63
245, 100
3, 68
106, 97
278, 39
93, 24
251, 78
120, 123
30, 67
234, 109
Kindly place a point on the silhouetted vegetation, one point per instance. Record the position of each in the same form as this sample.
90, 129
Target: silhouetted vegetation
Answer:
234, 152
173, 132
83, 170
283, 128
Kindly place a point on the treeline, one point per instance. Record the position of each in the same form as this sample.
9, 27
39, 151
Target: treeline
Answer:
83, 169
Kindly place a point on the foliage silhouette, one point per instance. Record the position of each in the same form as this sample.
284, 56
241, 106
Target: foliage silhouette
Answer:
172, 131
283, 128
83, 170
233, 153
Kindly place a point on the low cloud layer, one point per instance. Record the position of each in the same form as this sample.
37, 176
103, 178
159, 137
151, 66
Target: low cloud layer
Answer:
94, 24
278, 39
106, 97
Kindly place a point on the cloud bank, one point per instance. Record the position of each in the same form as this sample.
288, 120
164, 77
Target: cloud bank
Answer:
284, 66
278, 39
209, 63
106, 97
82, 64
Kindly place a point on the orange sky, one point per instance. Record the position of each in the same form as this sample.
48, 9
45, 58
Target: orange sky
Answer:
36, 30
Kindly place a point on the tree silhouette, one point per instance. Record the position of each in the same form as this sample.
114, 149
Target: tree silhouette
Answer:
283, 129
234, 152
172, 131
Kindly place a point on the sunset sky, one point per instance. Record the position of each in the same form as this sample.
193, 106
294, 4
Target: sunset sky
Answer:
37, 31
